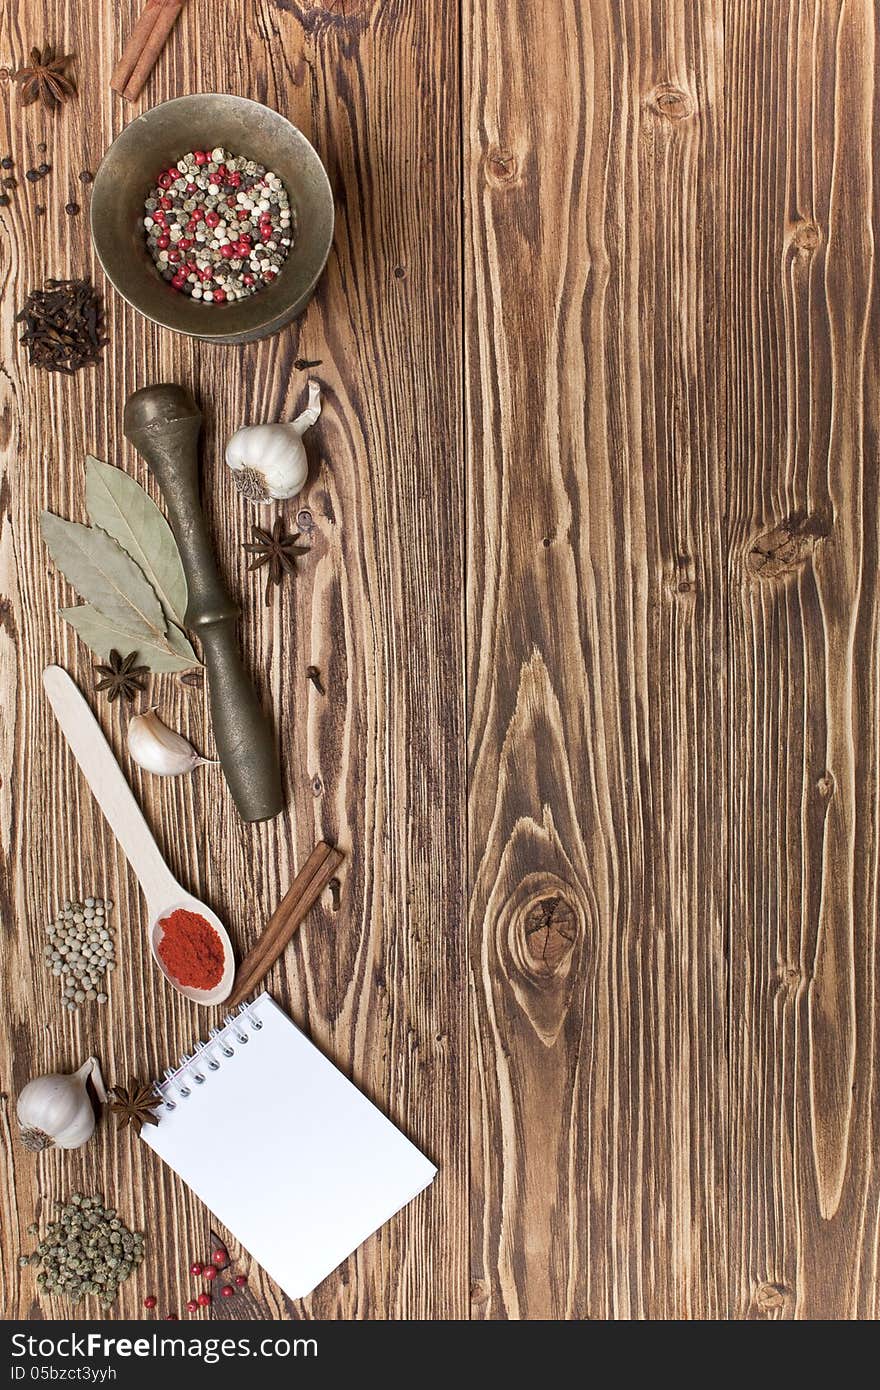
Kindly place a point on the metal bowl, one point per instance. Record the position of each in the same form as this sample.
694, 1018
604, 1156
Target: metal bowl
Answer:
158, 138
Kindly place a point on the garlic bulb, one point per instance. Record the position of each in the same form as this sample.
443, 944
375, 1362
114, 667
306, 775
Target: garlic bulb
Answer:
57, 1111
156, 748
269, 462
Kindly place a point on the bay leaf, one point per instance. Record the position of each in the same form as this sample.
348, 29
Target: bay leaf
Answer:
122, 508
100, 634
104, 575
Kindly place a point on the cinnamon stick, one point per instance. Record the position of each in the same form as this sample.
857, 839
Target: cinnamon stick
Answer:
300, 898
135, 46
143, 48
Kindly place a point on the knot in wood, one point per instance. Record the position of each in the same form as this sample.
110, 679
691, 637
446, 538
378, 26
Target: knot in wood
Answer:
805, 236
550, 930
345, 9
671, 102
770, 1297
501, 167
825, 786
786, 547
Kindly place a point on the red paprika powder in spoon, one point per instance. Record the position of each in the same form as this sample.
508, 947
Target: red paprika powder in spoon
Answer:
191, 950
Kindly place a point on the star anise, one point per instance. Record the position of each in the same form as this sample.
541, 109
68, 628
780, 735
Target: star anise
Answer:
277, 549
121, 677
45, 79
134, 1104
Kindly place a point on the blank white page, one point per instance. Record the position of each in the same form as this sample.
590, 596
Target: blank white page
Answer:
282, 1148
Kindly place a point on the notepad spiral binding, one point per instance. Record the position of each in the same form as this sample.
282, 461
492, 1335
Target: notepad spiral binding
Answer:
208, 1053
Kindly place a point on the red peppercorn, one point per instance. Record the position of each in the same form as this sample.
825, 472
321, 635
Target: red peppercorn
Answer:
231, 202
204, 1300
150, 1301
160, 218
196, 1269
268, 276
209, 1273
219, 296
174, 255
163, 242
185, 242
165, 180
234, 179
227, 251
220, 1256
178, 282
206, 273
198, 214
228, 1291
172, 1317
241, 1280
191, 187
248, 279
200, 157
211, 219
191, 1305
166, 204
222, 173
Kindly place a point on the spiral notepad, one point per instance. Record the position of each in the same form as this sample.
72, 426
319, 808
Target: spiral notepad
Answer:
281, 1146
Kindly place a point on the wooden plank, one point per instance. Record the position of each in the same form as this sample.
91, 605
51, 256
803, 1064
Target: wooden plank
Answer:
379, 763
597, 684
802, 122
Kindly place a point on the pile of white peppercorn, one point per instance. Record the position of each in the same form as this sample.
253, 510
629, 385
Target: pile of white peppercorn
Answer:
80, 950
87, 1250
219, 226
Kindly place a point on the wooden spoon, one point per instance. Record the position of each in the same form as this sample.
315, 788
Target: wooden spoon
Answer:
125, 818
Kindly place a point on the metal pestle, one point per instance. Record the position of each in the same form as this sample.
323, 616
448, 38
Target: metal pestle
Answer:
163, 424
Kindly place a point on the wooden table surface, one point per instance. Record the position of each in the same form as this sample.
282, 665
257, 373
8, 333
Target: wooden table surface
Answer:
593, 587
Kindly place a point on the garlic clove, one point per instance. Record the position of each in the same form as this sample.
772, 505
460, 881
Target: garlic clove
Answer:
269, 462
156, 748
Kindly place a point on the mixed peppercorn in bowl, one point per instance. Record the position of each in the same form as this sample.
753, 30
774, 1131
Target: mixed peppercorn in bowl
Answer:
219, 226
210, 203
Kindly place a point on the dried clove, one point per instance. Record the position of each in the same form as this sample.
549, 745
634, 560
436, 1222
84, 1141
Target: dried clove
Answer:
314, 676
63, 326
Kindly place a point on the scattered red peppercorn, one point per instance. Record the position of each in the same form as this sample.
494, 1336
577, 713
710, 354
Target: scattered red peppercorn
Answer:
165, 203
174, 255
200, 157
204, 1300
220, 1257
241, 1280
219, 296
228, 1291
191, 1305
163, 242
172, 1317
196, 1268
212, 218
165, 180
209, 1273
228, 251
150, 1301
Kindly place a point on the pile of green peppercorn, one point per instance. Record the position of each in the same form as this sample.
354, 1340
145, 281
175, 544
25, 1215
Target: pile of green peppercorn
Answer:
86, 1250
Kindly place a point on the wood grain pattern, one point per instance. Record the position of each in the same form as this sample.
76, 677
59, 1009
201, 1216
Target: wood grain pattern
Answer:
594, 593
596, 674
805, 989
377, 764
